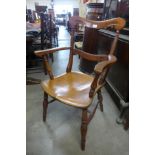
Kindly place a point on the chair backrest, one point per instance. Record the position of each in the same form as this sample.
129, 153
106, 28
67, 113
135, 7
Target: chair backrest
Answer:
101, 69
105, 61
116, 23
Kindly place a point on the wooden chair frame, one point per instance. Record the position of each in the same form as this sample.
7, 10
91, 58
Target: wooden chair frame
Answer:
100, 70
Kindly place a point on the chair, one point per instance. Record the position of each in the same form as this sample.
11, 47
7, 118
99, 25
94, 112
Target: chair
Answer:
42, 40
75, 88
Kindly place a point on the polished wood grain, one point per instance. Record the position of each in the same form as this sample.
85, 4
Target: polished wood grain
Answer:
70, 88
75, 88
41, 53
91, 57
117, 23
114, 43
101, 70
94, 85
102, 65
48, 68
70, 62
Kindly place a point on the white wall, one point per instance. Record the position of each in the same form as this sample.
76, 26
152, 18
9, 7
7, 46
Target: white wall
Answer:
31, 3
74, 3
65, 5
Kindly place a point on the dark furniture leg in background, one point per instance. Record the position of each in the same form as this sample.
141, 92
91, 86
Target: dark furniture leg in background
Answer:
124, 115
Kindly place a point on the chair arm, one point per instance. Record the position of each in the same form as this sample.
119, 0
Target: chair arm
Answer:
42, 53
102, 65
101, 70
90, 57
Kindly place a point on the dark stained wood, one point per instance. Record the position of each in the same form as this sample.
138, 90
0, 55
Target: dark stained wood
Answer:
51, 101
118, 76
90, 46
45, 105
95, 11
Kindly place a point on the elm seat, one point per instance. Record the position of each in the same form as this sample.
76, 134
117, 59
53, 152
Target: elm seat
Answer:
70, 88
77, 89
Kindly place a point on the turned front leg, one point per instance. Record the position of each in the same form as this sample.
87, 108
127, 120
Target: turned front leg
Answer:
84, 124
100, 98
45, 105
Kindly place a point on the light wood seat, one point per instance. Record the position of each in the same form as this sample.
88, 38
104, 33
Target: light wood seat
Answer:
71, 88
75, 88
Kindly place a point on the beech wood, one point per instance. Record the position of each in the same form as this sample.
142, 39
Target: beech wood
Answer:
70, 88
102, 65
84, 124
91, 57
94, 85
48, 67
41, 53
79, 88
117, 23
114, 43
70, 62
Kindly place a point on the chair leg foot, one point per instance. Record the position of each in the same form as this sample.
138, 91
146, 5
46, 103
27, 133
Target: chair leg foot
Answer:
100, 98
45, 105
84, 128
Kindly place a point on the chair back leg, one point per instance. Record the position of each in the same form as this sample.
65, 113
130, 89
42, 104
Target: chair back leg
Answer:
84, 125
45, 105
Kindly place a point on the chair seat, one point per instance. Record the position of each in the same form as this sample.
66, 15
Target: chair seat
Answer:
71, 88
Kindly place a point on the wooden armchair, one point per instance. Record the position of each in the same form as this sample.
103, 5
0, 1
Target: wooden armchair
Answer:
75, 88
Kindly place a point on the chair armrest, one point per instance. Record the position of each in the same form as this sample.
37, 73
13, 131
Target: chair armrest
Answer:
90, 57
101, 70
42, 53
102, 65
